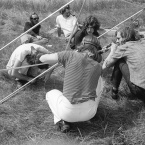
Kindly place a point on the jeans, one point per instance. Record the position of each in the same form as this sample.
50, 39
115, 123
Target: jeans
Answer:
121, 70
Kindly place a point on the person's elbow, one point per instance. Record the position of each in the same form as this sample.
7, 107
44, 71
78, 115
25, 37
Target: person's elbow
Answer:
49, 58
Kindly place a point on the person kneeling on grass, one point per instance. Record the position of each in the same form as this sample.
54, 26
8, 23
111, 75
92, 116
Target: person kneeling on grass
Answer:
127, 57
82, 84
28, 52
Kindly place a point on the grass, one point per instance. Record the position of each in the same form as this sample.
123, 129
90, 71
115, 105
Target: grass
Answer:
26, 119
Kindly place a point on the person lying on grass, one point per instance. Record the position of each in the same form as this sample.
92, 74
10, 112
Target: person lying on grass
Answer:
128, 58
80, 98
25, 53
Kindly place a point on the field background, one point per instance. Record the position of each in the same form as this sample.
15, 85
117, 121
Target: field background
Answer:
26, 119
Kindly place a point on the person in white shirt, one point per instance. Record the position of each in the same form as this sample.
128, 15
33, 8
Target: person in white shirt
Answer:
25, 54
65, 22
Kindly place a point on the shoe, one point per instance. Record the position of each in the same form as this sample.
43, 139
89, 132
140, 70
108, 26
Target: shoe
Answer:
63, 126
115, 95
58, 126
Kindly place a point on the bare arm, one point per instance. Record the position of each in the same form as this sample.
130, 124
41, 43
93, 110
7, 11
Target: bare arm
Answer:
42, 50
49, 58
108, 63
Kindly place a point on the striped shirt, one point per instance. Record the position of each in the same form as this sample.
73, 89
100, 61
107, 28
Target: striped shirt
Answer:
134, 54
81, 76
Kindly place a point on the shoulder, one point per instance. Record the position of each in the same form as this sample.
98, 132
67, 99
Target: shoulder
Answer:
59, 17
68, 54
128, 45
22, 50
72, 17
39, 26
28, 23
65, 53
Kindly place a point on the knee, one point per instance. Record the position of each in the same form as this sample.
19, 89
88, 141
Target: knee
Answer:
52, 94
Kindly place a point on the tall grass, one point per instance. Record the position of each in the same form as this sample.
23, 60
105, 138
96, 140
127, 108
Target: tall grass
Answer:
26, 119
50, 5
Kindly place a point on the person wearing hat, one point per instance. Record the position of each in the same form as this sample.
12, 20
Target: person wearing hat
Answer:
80, 98
33, 35
65, 22
25, 54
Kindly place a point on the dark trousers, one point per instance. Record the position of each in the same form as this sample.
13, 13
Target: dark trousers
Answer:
121, 70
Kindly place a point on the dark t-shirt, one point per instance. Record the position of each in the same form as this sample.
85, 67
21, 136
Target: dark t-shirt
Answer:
34, 31
78, 37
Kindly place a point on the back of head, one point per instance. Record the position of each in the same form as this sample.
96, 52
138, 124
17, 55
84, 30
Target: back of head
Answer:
92, 40
128, 33
92, 44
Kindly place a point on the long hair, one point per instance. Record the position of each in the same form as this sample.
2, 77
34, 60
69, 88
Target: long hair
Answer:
92, 21
128, 33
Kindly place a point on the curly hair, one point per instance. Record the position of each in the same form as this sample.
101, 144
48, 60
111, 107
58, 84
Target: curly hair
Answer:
128, 33
93, 22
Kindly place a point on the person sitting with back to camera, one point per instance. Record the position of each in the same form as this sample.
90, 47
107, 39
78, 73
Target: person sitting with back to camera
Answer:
65, 22
80, 98
127, 57
26, 54
33, 35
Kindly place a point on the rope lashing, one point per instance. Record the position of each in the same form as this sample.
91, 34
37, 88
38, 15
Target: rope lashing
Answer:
36, 24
